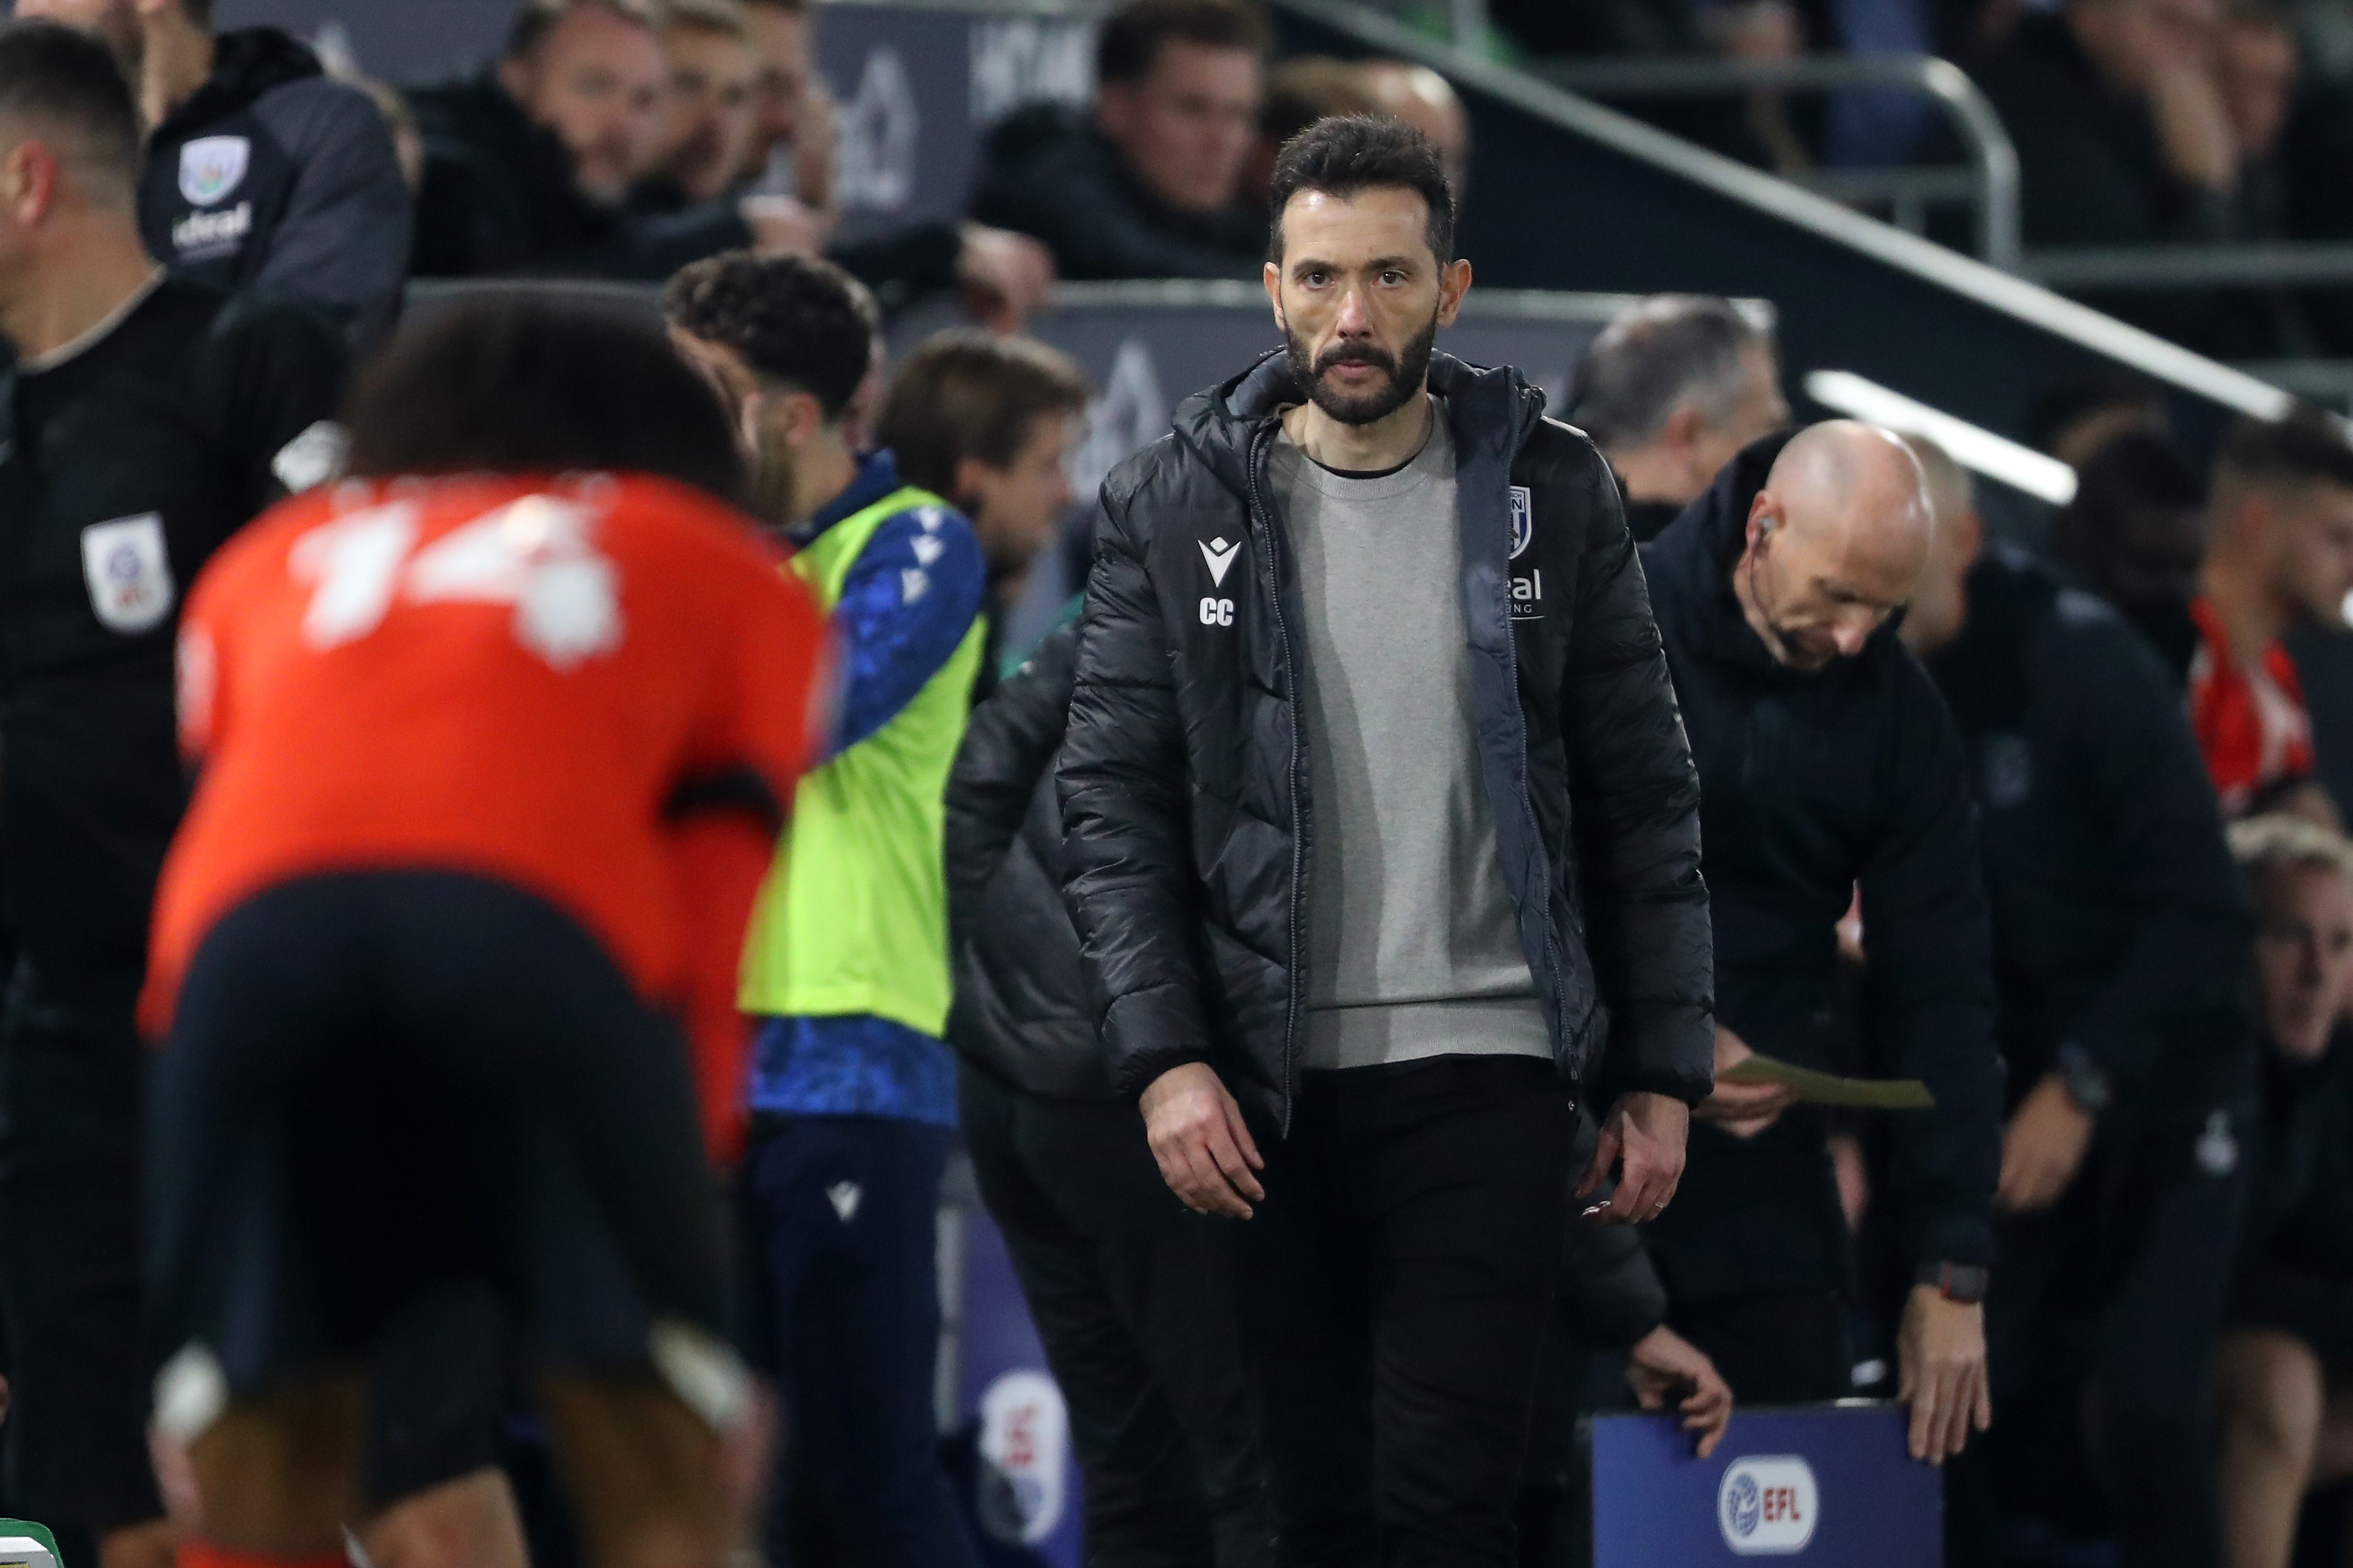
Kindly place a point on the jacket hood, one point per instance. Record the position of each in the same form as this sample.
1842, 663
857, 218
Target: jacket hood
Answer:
1492, 408
1697, 552
246, 63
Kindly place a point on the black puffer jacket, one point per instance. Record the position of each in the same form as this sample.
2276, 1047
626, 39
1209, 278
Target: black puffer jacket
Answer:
1020, 1010
1184, 778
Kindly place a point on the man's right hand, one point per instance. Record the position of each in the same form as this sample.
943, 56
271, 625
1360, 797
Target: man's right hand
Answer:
1743, 1110
1206, 1154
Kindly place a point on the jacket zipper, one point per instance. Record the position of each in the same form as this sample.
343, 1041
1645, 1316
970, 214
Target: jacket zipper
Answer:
1261, 442
1527, 805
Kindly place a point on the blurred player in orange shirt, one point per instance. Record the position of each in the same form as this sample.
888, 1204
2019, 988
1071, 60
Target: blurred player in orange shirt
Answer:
495, 737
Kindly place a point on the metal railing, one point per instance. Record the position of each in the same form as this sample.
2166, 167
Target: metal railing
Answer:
1988, 183
2138, 268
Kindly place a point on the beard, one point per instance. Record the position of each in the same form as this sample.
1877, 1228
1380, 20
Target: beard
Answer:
1407, 371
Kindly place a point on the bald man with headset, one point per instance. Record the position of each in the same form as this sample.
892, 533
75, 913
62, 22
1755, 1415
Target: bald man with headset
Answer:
1827, 762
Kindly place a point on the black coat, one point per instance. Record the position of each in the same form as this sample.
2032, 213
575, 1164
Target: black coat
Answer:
275, 178
1022, 1010
2295, 1259
1047, 173
2120, 924
1184, 778
1812, 782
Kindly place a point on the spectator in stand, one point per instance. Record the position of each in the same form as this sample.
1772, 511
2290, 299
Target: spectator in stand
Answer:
2287, 1421
260, 173
2125, 137
2118, 925
1427, 101
793, 143
1669, 390
708, 112
986, 421
1828, 761
846, 969
1299, 92
1151, 186
150, 417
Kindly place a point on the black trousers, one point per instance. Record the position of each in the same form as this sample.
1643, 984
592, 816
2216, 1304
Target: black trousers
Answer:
1396, 1283
1134, 1296
2100, 1332
71, 1085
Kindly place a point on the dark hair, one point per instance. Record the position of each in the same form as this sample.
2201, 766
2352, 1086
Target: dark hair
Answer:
2306, 447
964, 393
534, 19
65, 81
509, 383
793, 319
1353, 152
1132, 37
2077, 397
1659, 355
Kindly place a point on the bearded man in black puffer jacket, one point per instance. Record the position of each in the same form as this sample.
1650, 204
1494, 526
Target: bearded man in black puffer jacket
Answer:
1382, 837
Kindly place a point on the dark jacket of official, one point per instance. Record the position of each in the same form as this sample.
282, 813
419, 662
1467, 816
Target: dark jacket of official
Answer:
2296, 1256
1184, 777
1048, 174
274, 178
2120, 924
1021, 1012
1811, 783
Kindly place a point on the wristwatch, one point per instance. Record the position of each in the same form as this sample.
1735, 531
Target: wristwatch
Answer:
1962, 1282
2086, 1081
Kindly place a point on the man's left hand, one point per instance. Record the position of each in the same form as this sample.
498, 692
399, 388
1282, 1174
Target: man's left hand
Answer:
1006, 278
1642, 1141
1940, 1355
2042, 1149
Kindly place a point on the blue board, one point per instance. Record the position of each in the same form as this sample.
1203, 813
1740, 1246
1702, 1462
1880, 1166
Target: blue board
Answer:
1833, 1488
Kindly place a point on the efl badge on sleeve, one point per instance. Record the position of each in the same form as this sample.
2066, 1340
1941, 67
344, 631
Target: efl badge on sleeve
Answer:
129, 572
213, 166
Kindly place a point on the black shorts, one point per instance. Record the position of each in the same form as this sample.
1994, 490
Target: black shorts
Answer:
381, 1086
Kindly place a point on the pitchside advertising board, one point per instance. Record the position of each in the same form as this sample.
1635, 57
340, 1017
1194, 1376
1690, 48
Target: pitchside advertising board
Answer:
1831, 1488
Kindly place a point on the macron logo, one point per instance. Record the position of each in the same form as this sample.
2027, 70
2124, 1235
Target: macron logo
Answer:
1219, 556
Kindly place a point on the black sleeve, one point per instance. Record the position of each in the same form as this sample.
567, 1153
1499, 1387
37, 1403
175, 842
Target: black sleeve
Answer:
270, 373
341, 245
1928, 986
1610, 1292
648, 249
904, 265
1008, 748
1635, 799
2274, 1294
1127, 842
2135, 767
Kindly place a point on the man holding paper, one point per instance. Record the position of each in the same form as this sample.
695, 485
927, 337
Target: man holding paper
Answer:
1828, 761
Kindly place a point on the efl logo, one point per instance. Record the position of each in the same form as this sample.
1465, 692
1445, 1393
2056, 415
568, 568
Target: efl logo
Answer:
1767, 1506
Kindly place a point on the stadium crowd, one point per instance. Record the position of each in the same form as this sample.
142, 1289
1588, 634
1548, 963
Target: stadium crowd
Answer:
545, 1024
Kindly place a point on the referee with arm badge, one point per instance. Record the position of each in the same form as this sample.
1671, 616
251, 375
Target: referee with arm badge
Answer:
143, 421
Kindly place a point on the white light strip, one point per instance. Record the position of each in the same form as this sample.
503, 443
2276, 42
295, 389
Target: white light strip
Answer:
1971, 445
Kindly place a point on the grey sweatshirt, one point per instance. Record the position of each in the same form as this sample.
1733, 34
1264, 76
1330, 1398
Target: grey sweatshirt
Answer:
1413, 950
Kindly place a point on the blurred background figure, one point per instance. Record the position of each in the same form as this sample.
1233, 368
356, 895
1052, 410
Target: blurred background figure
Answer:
260, 172
1427, 101
1669, 390
1299, 92
2118, 927
709, 112
2287, 1413
987, 423
1150, 184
